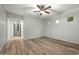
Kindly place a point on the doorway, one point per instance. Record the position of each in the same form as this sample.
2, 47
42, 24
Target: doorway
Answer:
15, 28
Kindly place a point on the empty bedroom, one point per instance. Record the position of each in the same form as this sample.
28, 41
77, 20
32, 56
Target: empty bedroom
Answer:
39, 29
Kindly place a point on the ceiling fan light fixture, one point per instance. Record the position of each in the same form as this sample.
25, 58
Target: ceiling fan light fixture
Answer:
42, 12
43, 9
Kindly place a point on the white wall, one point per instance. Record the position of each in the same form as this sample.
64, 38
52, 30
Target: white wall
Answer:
9, 28
32, 27
2, 27
66, 31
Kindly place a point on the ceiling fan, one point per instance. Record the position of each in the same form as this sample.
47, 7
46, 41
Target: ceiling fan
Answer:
43, 9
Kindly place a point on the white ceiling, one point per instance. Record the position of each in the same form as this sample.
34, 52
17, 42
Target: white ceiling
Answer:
28, 8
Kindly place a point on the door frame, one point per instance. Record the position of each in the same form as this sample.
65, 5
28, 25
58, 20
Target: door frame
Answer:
10, 28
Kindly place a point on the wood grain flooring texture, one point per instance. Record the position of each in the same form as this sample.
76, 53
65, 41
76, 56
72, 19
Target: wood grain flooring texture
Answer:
39, 46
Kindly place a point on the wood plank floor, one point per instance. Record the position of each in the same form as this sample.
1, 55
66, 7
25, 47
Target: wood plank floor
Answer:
39, 46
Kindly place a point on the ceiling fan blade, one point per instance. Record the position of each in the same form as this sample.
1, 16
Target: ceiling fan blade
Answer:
36, 11
39, 7
47, 7
47, 12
